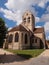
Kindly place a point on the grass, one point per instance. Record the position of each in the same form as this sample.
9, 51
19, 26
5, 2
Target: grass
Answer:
27, 53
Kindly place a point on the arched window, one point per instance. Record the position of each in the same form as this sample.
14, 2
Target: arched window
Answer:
24, 20
26, 39
10, 38
16, 37
28, 19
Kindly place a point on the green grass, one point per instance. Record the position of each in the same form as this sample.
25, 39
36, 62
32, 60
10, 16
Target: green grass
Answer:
27, 53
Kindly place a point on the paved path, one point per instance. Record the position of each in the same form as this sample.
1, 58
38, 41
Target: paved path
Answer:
42, 59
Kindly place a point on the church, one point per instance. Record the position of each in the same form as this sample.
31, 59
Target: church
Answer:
26, 35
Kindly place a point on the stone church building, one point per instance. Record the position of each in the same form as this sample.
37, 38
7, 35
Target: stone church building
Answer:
26, 36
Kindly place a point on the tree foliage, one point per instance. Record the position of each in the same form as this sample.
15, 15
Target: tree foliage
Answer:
3, 31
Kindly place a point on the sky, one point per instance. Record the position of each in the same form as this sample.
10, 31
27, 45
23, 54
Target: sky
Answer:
12, 10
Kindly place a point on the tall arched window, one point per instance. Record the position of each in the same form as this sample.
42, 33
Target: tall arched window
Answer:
26, 39
10, 38
16, 37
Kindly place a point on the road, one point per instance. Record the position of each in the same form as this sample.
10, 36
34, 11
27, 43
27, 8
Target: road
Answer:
7, 58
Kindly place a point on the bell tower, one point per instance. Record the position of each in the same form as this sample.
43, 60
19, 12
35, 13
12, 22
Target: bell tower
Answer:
29, 20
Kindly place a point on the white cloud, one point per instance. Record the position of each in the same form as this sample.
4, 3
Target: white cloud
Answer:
15, 16
46, 26
45, 17
42, 3
38, 26
47, 11
9, 28
8, 14
37, 19
6, 25
20, 4
48, 37
17, 7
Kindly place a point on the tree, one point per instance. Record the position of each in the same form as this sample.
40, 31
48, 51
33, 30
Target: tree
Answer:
3, 31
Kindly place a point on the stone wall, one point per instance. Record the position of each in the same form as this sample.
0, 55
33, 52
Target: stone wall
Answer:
21, 43
41, 36
13, 45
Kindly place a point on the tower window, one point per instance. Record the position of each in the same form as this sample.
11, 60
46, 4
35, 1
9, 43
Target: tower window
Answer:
24, 19
28, 19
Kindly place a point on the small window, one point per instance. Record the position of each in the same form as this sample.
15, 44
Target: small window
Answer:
16, 37
10, 38
28, 19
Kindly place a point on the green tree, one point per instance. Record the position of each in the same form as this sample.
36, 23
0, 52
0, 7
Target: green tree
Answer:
3, 31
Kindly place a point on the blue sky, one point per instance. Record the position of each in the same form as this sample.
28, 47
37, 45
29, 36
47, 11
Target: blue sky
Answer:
12, 10
11, 24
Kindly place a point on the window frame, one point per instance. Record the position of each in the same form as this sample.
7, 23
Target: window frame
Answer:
10, 38
16, 37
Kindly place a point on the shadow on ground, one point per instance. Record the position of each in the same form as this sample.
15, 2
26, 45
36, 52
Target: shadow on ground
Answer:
11, 58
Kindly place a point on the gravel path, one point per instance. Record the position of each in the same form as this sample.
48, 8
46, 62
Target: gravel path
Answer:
42, 59
2, 51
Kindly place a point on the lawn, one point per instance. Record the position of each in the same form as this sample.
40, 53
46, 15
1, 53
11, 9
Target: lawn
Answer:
27, 53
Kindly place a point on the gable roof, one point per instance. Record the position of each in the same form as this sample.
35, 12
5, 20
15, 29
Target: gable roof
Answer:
18, 28
38, 30
21, 27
